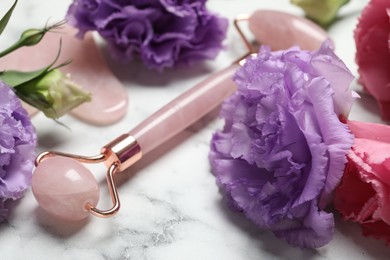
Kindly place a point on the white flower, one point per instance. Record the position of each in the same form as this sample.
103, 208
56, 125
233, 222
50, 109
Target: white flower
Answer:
55, 94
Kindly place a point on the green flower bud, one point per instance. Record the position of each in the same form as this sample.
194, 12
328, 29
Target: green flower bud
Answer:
30, 37
53, 93
323, 12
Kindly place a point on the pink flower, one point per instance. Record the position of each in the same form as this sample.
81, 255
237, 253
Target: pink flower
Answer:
373, 55
364, 193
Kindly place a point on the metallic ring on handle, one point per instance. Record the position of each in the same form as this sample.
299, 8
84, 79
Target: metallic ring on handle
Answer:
118, 155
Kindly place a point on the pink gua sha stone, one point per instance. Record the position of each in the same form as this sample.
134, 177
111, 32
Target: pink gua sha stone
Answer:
63, 186
281, 30
88, 69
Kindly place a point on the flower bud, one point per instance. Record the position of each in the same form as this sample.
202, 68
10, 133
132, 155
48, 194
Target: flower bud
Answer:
322, 12
53, 93
30, 37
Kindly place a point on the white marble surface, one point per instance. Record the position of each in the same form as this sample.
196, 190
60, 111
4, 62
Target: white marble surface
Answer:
171, 206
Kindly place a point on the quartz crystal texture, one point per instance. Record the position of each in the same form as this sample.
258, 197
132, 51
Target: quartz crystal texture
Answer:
63, 187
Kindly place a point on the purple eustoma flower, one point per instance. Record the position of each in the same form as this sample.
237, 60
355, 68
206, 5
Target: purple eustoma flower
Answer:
17, 148
283, 149
161, 32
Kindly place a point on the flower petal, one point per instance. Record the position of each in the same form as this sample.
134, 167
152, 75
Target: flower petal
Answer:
373, 52
168, 32
283, 146
377, 132
317, 230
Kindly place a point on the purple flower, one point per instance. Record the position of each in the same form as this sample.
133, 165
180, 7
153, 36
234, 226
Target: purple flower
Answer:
283, 149
17, 148
161, 32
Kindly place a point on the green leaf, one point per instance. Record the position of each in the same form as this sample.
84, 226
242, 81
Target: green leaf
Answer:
16, 78
6, 17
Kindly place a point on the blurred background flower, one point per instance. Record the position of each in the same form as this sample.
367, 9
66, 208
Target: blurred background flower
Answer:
161, 33
323, 12
373, 52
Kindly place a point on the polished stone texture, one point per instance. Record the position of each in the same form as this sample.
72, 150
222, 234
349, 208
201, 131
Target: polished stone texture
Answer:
63, 187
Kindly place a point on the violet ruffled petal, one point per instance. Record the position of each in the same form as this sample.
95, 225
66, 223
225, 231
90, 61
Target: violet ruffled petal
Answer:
17, 148
283, 149
161, 33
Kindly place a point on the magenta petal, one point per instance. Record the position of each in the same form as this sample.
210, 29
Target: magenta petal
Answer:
364, 194
373, 52
378, 132
373, 154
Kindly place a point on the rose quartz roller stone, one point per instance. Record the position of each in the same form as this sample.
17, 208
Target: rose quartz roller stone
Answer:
65, 188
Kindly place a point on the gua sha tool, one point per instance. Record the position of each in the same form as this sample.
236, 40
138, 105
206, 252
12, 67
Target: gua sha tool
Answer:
68, 190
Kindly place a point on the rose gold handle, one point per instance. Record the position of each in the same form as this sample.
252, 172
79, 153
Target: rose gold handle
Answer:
184, 110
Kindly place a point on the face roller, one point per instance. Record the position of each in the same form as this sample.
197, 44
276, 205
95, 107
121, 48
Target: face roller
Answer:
68, 190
